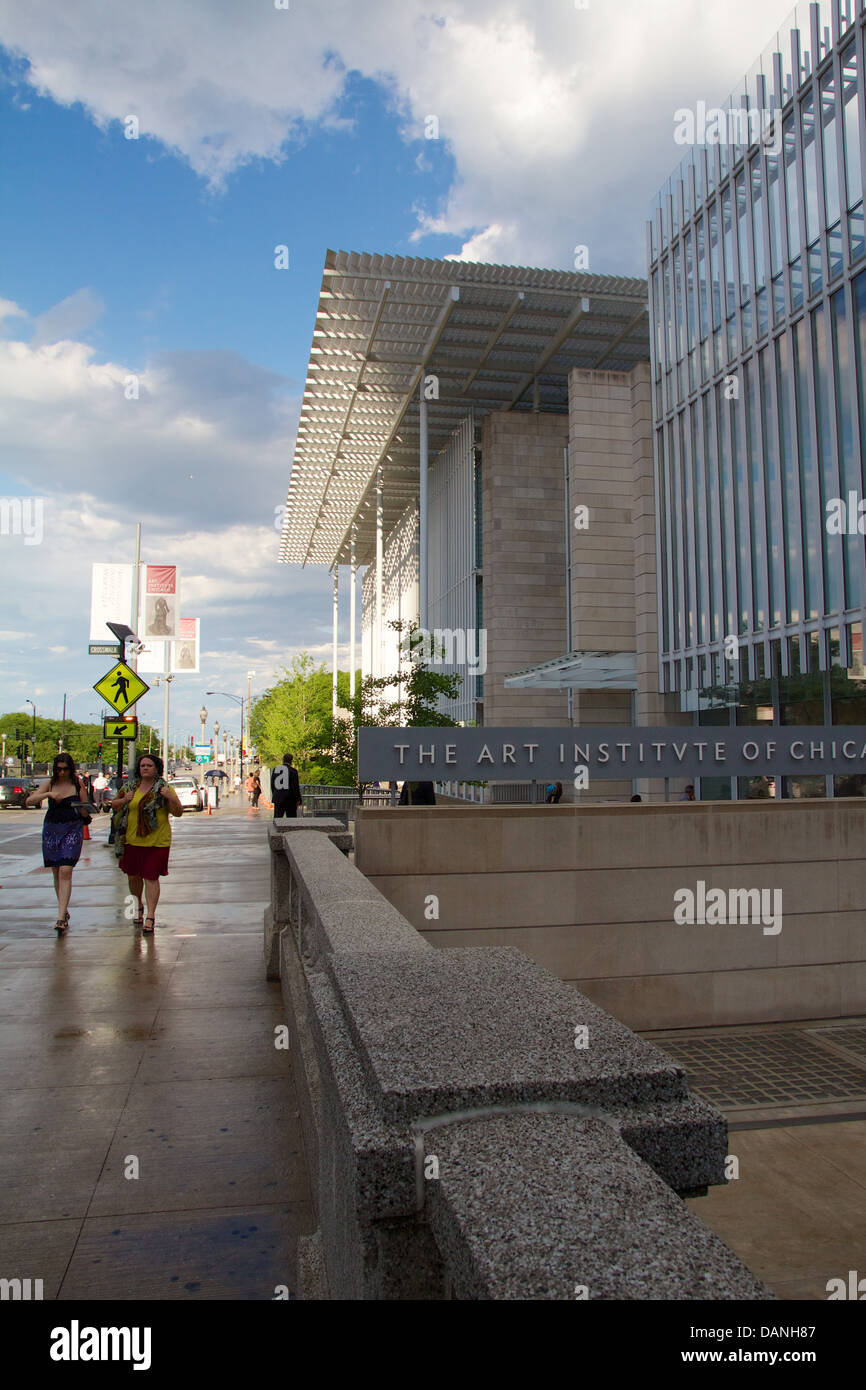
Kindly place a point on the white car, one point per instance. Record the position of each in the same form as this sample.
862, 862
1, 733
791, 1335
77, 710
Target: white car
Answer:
188, 793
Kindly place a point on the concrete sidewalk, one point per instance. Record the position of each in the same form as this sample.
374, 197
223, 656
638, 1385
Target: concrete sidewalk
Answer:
122, 1053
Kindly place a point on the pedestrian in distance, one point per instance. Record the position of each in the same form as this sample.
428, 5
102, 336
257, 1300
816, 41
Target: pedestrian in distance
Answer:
62, 830
248, 784
143, 833
287, 789
637, 798
100, 785
553, 793
689, 793
257, 788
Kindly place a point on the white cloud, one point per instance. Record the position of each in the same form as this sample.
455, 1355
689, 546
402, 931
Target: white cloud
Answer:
560, 120
69, 318
200, 421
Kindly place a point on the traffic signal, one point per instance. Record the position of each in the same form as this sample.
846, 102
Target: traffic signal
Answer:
99, 749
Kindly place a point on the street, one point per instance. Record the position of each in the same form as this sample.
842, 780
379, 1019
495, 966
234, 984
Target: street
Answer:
149, 1137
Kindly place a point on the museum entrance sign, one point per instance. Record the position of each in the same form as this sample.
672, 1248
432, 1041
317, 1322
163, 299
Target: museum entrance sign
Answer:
508, 754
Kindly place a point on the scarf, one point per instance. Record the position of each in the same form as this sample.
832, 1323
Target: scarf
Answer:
147, 812
148, 807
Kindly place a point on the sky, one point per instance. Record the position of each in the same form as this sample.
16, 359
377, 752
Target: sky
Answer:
152, 357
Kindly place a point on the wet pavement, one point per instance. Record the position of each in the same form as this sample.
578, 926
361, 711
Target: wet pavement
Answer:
150, 1145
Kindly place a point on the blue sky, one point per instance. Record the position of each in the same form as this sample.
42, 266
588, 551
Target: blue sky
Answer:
154, 257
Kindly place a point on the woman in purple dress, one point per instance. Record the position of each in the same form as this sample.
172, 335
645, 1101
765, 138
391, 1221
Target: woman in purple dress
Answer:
62, 829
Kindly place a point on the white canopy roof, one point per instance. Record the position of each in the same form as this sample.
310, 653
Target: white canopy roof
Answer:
493, 337
579, 671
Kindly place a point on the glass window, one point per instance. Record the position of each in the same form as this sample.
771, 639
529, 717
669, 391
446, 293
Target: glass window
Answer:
730, 263
715, 520
789, 137
774, 204
851, 127
849, 463
669, 321
714, 267
758, 221
810, 167
743, 238
727, 512
756, 475
858, 294
744, 519
796, 285
790, 481
702, 279
691, 307
829, 479
810, 497
658, 312
856, 237
678, 303
771, 466
698, 531
828, 130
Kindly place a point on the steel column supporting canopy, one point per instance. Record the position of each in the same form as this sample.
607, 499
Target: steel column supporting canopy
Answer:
477, 334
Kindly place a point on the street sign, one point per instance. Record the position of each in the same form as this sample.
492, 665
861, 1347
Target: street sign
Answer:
104, 649
120, 728
121, 687
203, 752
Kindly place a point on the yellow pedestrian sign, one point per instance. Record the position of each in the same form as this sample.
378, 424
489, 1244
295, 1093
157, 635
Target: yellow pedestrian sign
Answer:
121, 687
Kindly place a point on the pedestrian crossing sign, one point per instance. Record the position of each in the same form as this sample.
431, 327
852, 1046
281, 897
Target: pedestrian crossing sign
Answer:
121, 687
127, 727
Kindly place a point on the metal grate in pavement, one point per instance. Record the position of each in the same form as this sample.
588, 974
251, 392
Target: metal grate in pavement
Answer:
851, 1038
791, 1067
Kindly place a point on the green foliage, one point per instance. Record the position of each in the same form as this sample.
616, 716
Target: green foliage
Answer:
295, 717
81, 741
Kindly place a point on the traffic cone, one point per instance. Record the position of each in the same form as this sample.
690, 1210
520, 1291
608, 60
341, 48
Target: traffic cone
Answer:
208, 811
87, 832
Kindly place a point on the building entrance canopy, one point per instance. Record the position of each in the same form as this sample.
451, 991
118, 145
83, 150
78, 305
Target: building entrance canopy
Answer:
389, 330
579, 671
507, 754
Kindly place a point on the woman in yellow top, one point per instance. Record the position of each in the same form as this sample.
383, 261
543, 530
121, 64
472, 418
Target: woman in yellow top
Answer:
149, 801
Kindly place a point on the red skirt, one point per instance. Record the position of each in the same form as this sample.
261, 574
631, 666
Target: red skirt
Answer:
140, 862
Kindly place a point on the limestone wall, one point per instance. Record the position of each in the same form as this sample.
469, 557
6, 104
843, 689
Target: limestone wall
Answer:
475, 1129
588, 892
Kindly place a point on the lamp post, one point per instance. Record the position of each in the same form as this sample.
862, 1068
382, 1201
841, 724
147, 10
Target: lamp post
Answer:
216, 743
239, 700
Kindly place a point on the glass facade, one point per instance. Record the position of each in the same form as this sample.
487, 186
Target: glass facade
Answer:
757, 284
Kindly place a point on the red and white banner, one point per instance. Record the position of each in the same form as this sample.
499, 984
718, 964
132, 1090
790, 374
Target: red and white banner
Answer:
184, 651
160, 606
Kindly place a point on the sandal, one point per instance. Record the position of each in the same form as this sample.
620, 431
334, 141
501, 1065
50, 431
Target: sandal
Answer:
61, 924
146, 927
138, 919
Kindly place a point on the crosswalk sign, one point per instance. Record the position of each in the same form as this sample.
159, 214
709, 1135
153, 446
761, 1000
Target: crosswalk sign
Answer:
126, 727
121, 687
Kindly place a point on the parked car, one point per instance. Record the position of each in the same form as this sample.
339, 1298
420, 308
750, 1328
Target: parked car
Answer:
188, 793
14, 791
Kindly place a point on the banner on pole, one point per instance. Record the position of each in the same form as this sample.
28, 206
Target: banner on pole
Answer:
110, 599
184, 654
160, 602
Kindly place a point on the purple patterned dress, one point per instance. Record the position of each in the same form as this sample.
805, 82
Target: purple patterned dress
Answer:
62, 833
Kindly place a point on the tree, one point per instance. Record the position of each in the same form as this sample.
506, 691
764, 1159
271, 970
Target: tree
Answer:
296, 716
